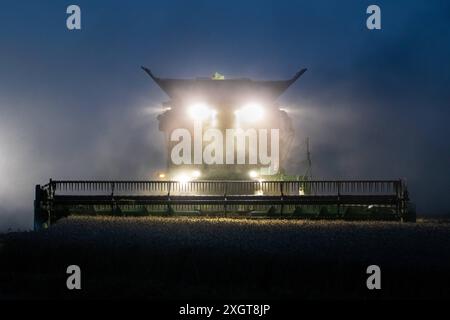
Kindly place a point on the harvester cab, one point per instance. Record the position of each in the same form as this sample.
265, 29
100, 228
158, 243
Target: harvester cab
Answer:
219, 128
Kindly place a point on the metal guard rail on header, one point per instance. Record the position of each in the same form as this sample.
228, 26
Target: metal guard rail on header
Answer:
58, 194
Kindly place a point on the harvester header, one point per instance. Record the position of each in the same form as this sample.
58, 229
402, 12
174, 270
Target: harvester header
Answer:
345, 199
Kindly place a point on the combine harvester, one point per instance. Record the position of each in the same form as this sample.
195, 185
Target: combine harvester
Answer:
227, 142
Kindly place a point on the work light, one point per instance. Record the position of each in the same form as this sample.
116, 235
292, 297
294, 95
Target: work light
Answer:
253, 174
200, 111
251, 112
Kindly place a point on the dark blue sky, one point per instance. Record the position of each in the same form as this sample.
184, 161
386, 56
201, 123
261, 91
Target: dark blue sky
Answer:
74, 104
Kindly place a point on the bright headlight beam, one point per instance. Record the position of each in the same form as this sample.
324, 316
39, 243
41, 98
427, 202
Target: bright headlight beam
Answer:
182, 178
251, 112
185, 177
253, 174
200, 111
196, 174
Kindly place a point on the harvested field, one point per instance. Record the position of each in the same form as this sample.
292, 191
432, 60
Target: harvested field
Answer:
180, 258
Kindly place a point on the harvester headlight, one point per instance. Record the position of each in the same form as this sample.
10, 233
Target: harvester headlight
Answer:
301, 191
251, 112
182, 178
196, 174
200, 111
253, 174
185, 177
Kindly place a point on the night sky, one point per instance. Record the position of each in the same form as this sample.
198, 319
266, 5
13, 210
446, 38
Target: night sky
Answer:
75, 104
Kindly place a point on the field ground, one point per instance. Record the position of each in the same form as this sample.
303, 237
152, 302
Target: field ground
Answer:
188, 258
